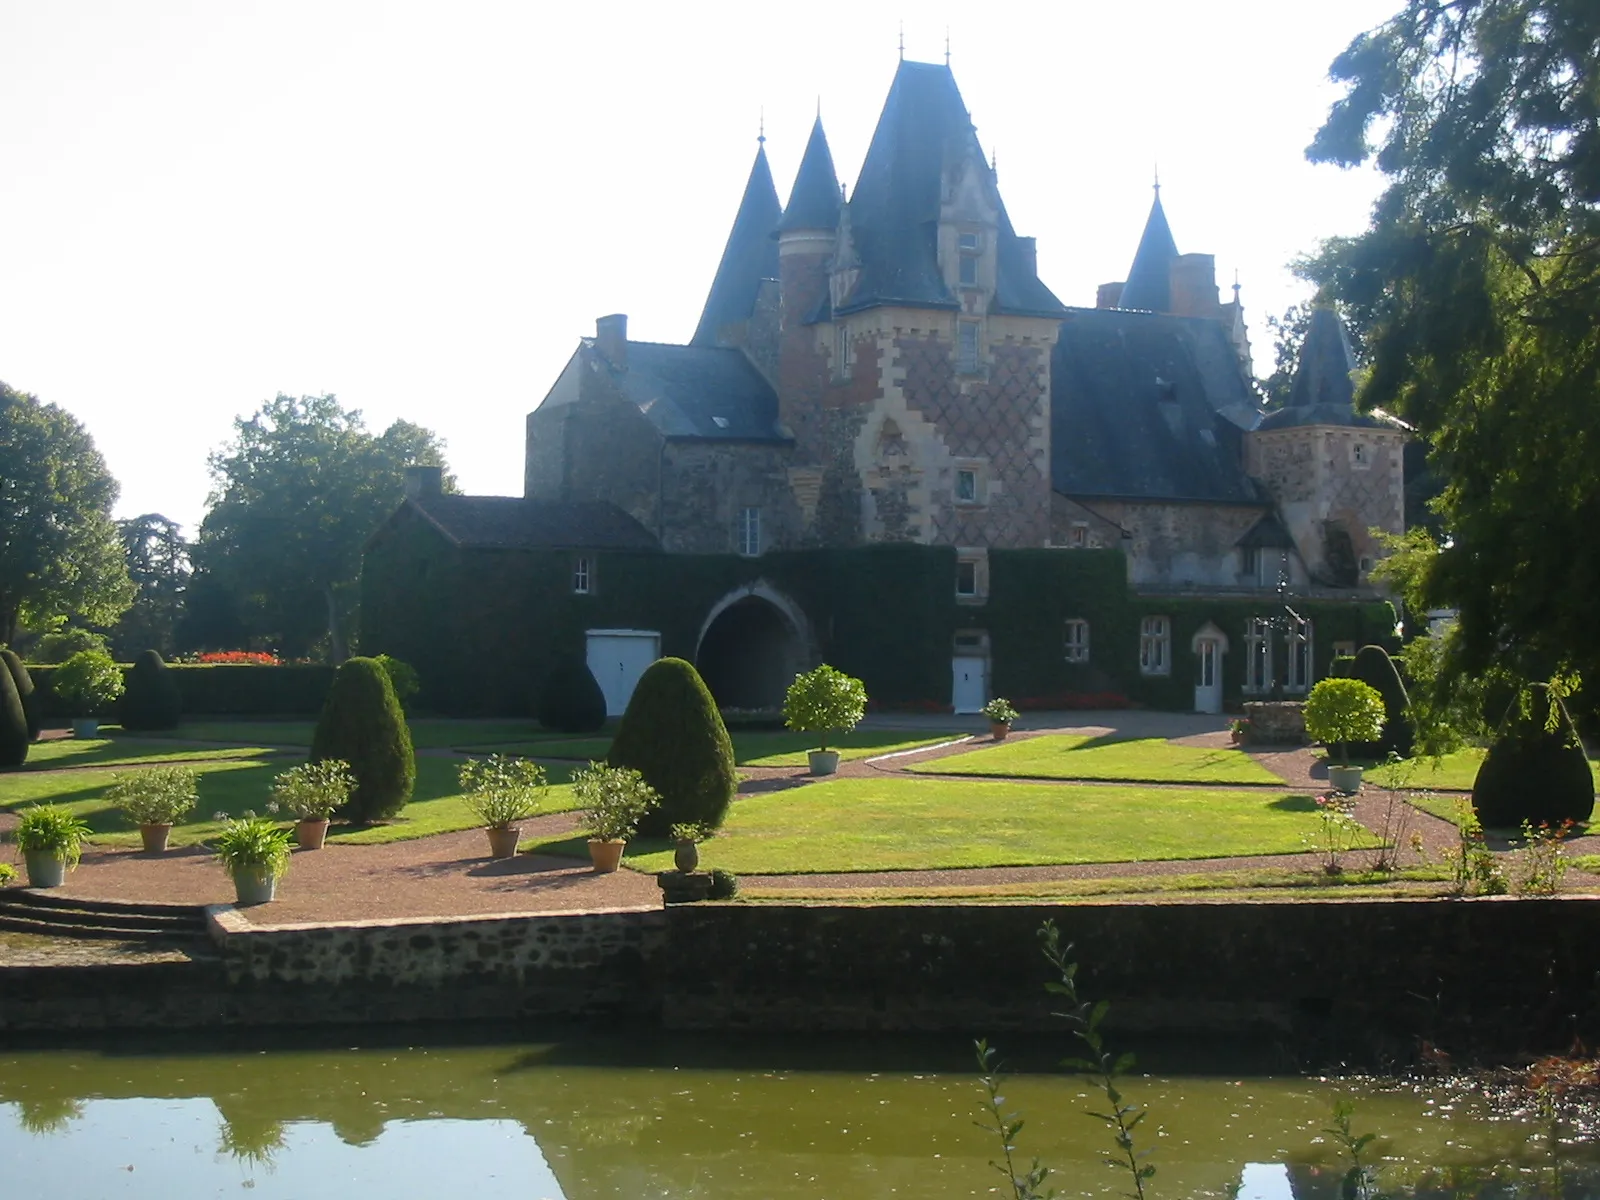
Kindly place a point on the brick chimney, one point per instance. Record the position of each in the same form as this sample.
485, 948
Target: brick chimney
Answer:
424, 481
1109, 295
611, 339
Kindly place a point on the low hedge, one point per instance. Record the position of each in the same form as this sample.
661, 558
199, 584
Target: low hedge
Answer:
223, 689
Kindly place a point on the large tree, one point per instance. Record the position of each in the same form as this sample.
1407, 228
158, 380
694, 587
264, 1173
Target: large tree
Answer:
1478, 289
158, 564
299, 489
60, 555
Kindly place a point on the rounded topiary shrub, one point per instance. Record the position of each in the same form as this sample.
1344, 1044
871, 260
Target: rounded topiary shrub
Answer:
673, 735
1533, 774
24, 683
14, 737
1374, 667
570, 699
151, 701
362, 724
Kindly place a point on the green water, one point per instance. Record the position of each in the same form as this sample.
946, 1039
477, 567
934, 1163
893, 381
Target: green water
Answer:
646, 1117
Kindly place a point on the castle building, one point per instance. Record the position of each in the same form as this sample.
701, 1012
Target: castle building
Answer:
883, 368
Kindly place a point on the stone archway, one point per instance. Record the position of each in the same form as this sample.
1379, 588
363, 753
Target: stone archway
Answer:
751, 647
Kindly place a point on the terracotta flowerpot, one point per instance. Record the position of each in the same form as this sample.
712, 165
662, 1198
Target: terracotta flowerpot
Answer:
254, 885
310, 835
823, 762
45, 868
503, 840
155, 837
686, 857
606, 855
999, 729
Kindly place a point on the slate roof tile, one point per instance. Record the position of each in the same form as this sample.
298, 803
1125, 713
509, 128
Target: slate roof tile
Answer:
511, 522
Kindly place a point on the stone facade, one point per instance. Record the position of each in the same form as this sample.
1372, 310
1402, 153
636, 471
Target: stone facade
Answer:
1180, 546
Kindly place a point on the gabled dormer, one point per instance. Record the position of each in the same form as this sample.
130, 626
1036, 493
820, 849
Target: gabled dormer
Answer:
969, 224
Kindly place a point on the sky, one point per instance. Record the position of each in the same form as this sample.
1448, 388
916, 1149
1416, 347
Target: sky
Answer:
422, 206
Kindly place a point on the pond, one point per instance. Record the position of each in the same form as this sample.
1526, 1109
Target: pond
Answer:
642, 1115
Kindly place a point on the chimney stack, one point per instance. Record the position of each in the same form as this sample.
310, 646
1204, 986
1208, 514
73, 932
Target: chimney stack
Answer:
424, 481
1109, 295
611, 339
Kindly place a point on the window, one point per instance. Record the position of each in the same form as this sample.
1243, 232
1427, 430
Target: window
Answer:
1344, 649
1263, 567
580, 577
966, 485
1299, 656
966, 577
1359, 455
968, 247
1077, 640
1078, 535
749, 532
1155, 646
967, 347
843, 356
1258, 655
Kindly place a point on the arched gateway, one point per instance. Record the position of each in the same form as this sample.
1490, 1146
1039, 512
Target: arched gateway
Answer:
753, 643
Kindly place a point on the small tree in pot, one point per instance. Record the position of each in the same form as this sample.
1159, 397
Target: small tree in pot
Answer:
86, 683
311, 793
824, 701
255, 851
1341, 711
1000, 714
51, 840
613, 801
154, 799
503, 791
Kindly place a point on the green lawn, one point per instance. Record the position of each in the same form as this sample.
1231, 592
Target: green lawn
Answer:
426, 732
1072, 756
755, 747
102, 752
1453, 772
904, 824
231, 786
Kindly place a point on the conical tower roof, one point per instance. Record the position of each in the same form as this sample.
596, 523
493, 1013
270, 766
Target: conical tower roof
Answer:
1149, 284
749, 257
1322, 376
814, 202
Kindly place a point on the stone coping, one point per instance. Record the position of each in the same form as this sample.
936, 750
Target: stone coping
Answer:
224, 921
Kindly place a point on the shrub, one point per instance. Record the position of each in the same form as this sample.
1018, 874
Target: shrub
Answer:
87, 682
1000, 711
1374, 667
253, 843
503, 790
313, 791
7, 873
824, 701
402, 677
673, 735
612, 800
155, 795
61, 644
362, 724
151, 700
724, 884
1534, 774
24, 681
14, 737
53, 830
570, 699
1342, 711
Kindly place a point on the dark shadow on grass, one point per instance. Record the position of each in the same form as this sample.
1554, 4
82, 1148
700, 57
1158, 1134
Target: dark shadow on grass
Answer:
778, 783
1295, 803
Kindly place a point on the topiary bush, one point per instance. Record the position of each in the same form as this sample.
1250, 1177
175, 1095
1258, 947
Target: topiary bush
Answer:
151, 699
1377, 670
14, 737
24, 681
673, 735
1533, 773
570, 699
362, 724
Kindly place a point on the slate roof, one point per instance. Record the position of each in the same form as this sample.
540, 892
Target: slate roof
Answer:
701, 392
1322, 392
814, 200
749, 257
1267, 534
1149, 407
894, 211
512, 523
1149, 284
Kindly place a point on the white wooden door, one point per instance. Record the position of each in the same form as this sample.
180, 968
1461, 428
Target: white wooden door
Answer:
617, 657
1208, 676
970, 690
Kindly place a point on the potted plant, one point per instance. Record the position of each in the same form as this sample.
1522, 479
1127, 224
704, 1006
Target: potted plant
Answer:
686, 839
613, 800
824, 701
86, 683
1000, 714
255, 851
503, 791
154, 799
311, 793
1341, 711
51, 839
1239, 730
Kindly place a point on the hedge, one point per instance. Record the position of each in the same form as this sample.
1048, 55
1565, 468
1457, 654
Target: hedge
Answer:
223, 690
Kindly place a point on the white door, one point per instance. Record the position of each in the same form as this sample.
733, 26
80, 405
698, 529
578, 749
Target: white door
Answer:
1208, 676
970, 691
617, 657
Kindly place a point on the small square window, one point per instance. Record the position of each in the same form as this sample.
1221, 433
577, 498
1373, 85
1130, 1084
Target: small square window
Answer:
967, 347
1077, 640
966, 486
749, 532
1359, 456
966, 577
1078, 535
580, 577
968, 243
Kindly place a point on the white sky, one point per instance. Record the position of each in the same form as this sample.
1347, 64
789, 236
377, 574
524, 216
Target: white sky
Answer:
421, 206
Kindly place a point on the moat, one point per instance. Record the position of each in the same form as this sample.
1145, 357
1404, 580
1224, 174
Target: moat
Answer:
426, 1112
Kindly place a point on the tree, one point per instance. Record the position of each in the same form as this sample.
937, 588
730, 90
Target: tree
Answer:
1477, 286
298, 491
158, 564
59, 551
362, 725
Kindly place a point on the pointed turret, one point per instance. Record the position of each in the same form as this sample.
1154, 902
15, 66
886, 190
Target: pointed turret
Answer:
814, 202
1322, 376
749, 257
1149, 284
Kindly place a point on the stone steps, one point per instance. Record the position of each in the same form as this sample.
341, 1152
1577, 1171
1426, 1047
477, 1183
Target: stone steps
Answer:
24, 910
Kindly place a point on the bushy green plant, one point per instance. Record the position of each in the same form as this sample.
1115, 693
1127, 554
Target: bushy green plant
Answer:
14, 739
612, 801
824, 701
24, 681
689, 832
151, 701
1374, 666
570, 699
59, 645
1000, 711
402, 677
313, 791
1536, 770
252, 843
1341, 711
53, 830
724, 884
87, 682
673, 735
503, 790
155, 795
7, 873
362, 725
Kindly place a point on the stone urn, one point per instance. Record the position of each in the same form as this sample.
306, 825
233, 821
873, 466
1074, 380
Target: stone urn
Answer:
503, 840
686, 856
823, 762
311, 834
155, 837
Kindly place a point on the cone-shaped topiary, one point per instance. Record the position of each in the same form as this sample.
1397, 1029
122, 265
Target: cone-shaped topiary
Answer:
14, 737
673, 735
24, 682
362, 724
570, 699
1374, 667
1532, 774
151, 701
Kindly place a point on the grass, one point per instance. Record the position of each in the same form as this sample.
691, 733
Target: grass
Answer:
107, 752
427, 733
755, 747
1452, 772
892, 824
1073, 756
232, 786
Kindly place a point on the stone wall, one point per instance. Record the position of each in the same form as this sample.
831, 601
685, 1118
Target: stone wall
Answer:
1167, 544
705, 484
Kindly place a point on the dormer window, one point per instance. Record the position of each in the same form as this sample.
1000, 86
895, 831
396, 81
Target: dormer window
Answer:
967, 347
720, 422
968, 247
